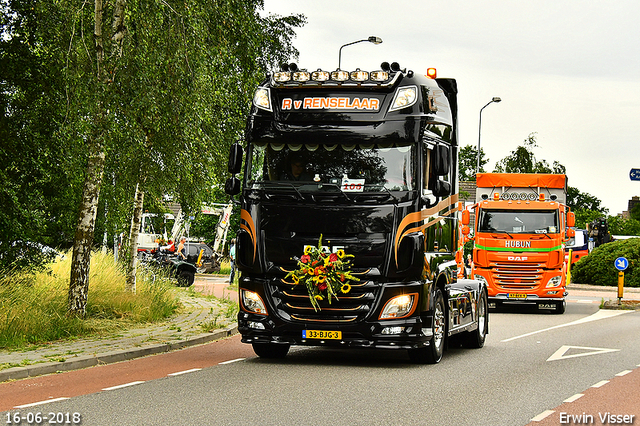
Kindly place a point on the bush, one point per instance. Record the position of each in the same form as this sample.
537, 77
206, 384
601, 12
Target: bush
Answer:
598, 267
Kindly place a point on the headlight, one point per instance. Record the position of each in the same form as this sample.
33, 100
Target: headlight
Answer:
252, 302
262, 99
399, 306
405, 97
554, 282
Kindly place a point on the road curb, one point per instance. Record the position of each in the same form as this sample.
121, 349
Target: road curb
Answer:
17, 373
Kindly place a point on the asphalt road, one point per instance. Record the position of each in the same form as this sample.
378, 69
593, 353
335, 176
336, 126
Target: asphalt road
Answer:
531, 364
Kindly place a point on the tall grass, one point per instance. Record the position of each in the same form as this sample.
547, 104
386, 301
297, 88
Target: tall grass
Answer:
33, 305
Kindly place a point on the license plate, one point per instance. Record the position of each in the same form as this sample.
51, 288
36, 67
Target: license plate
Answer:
517, 296
321, 334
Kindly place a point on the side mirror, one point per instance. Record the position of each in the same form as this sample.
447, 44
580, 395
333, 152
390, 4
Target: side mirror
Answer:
441, 160
232, 186
571, 233
466, 218
235, 159
571, 219
441, 188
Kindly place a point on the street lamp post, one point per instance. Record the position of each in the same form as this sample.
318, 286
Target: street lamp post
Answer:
496, 100
372, 39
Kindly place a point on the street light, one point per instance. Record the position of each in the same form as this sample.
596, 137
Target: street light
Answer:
496, 100
372, 39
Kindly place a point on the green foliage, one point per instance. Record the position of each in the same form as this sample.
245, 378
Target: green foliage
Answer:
620, 226
468, 161
170, 99
523, 160
598, 267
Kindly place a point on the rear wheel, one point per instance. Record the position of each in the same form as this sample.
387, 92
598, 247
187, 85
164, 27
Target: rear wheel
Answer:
270, 350
476, 338
185, 278
432, 354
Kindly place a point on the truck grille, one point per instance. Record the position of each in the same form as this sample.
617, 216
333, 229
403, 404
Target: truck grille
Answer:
294, 305
520, 276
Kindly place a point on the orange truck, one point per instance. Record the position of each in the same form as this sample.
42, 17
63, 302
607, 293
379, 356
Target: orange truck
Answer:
521, 227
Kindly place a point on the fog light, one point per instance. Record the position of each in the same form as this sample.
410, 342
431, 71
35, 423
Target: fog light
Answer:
256, 325
393, 330
252, 302
399, 306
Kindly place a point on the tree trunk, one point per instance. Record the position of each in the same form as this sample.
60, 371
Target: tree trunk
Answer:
133, 239
83, 239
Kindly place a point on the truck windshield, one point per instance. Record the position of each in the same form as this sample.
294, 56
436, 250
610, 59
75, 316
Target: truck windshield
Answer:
518, 221
351, 168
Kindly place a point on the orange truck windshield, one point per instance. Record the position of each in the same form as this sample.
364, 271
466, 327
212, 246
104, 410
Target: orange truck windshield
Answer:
519, 222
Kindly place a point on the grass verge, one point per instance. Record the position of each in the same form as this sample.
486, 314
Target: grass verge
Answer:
33, 305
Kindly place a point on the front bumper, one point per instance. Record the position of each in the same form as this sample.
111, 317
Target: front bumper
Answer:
409, 333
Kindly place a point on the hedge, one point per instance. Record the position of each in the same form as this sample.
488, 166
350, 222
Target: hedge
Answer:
598, 267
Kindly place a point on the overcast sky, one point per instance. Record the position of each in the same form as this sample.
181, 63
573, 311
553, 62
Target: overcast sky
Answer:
567, 70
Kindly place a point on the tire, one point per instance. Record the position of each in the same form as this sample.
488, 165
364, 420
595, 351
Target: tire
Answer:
432, 354
270, 350
475, 339
560, 307
186, 278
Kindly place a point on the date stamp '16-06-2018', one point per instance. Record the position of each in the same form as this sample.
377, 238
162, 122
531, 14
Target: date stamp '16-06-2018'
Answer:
40, 418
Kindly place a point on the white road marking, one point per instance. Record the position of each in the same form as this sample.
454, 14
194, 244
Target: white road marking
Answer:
623, 373
560, 353
184, 372
574, 397
601, 314
587, 301
122, 386
540, 417
33, 404
229, 362
600, 384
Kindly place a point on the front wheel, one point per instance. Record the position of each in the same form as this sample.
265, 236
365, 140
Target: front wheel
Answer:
432, 354
270, 350
475, 339
561, 306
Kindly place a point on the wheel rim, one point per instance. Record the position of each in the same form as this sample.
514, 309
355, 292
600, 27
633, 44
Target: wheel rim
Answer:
482, 315
438, 325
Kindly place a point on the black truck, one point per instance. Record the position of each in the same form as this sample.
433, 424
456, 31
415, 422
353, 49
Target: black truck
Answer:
349, 229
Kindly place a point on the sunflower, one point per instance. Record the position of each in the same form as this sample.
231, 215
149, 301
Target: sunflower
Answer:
340, 253
346, 288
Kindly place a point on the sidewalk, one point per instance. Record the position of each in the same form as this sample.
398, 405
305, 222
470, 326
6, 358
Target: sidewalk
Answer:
183, 330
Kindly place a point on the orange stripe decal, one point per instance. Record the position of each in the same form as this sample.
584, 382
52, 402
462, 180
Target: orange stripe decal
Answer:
420, 216
250, 227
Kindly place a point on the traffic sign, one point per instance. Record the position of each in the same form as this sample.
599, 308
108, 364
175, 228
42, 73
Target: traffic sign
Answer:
634, 174
621, 263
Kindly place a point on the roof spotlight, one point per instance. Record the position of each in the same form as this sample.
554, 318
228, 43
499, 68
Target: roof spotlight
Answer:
293, 67
385, 66
395, 66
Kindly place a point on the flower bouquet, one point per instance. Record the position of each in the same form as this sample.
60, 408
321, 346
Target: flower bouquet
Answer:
323, 274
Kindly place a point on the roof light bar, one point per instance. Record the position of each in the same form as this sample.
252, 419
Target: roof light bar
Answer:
359, 75
340, 75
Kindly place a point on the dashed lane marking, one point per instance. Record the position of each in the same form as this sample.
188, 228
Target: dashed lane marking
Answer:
574, 397
540, 417
184, 372
229, 362
122, 386
623, 373
33, 404
600, 384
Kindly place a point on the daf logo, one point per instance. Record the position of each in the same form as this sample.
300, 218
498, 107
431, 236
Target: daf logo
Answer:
518, 258
325, 249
